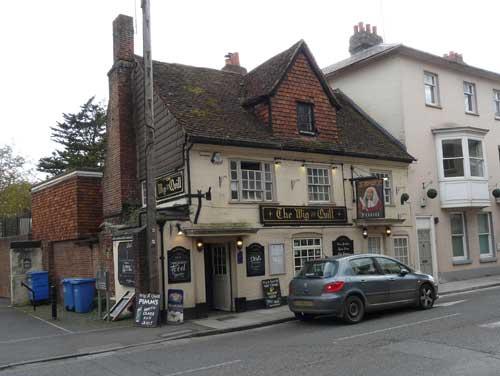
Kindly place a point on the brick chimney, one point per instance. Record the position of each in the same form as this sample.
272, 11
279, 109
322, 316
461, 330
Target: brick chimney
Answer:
233, 63
364, 37
454, 56
120, 187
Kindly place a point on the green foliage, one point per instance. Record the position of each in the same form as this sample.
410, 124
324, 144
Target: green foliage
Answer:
11, 167
82, 137
15, 199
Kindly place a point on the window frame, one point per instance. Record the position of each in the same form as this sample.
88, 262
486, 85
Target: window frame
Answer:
313, 130
378, 271
489, 234
239, 181
407, 246
381, 240
434, 86
465, 157
496, 103
283, 256
330, 187
307, 247
473, 95
379, 264
463, 235
387, 185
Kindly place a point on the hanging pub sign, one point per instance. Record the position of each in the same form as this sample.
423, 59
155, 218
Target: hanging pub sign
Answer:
170, 185
126, 264
342, 245
179, 265
302, 215
272, 292
370, 198
256, 262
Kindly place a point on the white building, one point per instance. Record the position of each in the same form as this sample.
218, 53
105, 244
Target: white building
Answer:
447, 113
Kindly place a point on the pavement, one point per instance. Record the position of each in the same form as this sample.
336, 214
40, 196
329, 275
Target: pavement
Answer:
28, 337
460, 336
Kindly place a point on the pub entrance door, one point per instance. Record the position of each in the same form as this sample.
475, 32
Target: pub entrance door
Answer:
218, 277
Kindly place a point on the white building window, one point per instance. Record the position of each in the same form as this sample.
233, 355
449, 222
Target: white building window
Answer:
470, 97
305, 250
431, 89
496, 102
318, 184
401, 249
251, 181
375, 245
484, 234
458, 238
387, 177
456, 150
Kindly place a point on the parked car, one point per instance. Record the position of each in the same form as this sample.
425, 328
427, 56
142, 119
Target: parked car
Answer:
349, 286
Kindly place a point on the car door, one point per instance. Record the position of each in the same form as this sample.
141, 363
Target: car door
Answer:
402, 287
368, 279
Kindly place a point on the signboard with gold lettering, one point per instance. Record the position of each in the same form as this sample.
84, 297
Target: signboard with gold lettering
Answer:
169, 186
302, 215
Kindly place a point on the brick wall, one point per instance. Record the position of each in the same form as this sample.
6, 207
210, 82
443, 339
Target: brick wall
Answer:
262, 112
301, 84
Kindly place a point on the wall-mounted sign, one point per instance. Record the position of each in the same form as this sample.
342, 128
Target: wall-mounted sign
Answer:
179, 265
169, 186
342, 245
302, 215
370, 198
256, 262
272, 292
147, 310
126, 264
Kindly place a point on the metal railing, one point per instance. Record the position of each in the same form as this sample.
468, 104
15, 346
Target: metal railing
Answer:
15, 226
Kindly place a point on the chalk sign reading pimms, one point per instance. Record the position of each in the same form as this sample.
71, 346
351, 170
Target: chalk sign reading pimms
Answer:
147, 310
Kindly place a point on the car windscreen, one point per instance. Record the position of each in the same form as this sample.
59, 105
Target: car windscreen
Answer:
319, 269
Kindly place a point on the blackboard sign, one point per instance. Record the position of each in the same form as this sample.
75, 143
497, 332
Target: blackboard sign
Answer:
179, 265
302, 215
126, 264
256, 262
342, 245
147, 310
272, 292
169, 186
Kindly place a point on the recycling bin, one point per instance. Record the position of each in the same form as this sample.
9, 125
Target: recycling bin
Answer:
69, 299
83, 294
39, 283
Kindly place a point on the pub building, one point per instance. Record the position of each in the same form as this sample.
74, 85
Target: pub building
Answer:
256, 172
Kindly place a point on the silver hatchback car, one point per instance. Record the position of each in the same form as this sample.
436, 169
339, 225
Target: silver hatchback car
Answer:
349, 286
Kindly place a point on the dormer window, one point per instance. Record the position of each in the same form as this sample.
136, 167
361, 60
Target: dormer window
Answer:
305, 118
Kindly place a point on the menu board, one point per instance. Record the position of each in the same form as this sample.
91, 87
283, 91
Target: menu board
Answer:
272, 292
147, 310
179, 265
342, 245
256, 263
126, 264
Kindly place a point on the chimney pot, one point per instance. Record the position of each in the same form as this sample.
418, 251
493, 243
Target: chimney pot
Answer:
368, 28
233, 63
361, 27
364, 37
123, 38
356, 29
375, 30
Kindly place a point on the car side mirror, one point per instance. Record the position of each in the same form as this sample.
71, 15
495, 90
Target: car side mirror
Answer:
403, 272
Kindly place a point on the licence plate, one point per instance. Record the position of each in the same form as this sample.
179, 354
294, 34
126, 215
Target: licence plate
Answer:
303, 303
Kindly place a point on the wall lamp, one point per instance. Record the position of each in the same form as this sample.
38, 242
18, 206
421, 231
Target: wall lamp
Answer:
365, 232
179, 229
277, 162
239, 243
388, 231
199, 245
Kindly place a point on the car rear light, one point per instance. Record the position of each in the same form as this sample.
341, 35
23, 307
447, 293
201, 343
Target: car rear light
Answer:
333, 287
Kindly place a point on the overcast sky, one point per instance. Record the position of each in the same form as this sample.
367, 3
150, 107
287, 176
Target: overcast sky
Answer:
56, 54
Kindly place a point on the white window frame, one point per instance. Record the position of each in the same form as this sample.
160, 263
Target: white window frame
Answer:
434, 87
463, 235
329, 185
489, 234
496, 103
307, 247
272, 248
386, 176
381, 243
239, 181
472, 94
144, 201
405, 259
465, 156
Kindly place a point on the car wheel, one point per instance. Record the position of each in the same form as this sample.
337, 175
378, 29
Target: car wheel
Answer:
426, 297
354, 310
304, 316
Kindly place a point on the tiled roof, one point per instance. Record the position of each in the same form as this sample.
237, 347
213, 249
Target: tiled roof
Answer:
208, 103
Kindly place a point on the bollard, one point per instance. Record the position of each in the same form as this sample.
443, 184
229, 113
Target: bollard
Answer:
53, 298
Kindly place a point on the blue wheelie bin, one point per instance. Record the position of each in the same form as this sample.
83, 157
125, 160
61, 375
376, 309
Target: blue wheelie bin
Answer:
39, 282
83, 293
69, 299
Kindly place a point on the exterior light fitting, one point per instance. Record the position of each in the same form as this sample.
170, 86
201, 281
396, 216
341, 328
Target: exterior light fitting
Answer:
365, 232
216, 158
180, 232
496, 193
199, 245
277, 162
388, 231
239, 243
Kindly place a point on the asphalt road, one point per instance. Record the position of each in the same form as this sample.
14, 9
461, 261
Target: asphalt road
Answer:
460, 336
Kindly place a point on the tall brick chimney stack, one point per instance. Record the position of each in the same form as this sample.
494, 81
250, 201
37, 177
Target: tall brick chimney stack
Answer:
233, 63
363, 38
120, 187
454, 56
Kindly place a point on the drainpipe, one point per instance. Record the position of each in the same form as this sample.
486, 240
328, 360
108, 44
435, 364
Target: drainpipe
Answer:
161, 222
